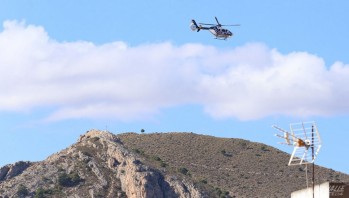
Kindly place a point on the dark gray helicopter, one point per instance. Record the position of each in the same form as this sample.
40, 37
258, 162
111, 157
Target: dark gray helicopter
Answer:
215, 29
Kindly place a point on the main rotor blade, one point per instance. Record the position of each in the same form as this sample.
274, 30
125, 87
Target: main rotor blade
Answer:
217, 20
206, 24
232, 25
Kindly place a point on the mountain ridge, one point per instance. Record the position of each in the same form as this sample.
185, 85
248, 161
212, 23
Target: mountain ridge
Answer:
176, 164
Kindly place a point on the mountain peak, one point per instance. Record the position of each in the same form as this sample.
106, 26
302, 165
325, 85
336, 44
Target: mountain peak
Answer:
106, 135
98, 165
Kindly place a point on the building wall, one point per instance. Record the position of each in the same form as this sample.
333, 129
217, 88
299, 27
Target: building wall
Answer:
324, 190
320, 191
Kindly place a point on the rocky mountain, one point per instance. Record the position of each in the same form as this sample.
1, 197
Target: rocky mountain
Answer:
101, 164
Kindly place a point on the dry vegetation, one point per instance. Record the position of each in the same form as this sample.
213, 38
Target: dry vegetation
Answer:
226, 167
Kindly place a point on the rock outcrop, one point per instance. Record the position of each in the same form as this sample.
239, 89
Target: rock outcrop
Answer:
98, 165
11, 170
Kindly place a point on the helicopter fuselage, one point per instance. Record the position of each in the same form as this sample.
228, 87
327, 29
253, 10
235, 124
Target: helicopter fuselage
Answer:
220, 33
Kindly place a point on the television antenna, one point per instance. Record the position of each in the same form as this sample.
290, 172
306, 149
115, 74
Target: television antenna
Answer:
303, 137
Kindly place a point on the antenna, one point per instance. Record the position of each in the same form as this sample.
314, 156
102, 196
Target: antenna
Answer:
302, 136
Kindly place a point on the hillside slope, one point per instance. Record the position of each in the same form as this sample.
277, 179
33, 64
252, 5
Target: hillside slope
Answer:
101, 164
240, 167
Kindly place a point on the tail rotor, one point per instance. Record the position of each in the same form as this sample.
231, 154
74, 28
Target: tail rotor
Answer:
194, 26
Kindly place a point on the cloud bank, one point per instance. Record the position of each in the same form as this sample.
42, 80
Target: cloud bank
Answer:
83, 80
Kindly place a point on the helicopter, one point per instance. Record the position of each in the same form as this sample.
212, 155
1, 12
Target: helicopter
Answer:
216, 29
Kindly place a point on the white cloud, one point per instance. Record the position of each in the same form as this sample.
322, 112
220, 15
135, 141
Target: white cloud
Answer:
83, 80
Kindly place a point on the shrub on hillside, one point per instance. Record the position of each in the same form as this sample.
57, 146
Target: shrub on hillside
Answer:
40, 193
183, 170
22, 191
163, 164
225, 153
68, 180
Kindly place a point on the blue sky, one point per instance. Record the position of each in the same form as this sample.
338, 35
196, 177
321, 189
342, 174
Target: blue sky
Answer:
70, 66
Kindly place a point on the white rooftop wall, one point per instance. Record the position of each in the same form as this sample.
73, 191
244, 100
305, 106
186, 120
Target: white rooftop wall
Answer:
321, 191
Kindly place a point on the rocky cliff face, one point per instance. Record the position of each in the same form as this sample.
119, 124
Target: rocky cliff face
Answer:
98, 165
12, 170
